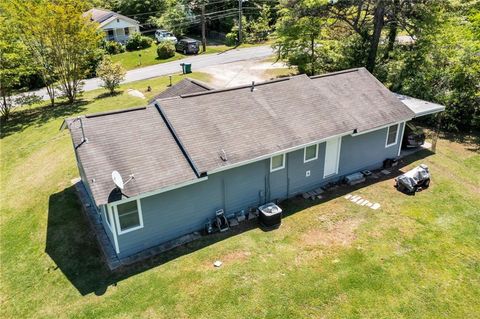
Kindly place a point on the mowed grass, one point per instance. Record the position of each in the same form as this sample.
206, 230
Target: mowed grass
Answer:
416, 257
132, 60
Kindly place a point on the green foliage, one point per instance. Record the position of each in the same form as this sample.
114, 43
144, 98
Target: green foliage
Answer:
441, 65
165, 50
232, 36
260, 28
176, 18
137, 41
137, 8
111, 74
14, 63
113, 47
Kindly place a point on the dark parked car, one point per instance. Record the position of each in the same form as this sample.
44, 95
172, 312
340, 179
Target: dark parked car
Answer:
187, 46
413, 136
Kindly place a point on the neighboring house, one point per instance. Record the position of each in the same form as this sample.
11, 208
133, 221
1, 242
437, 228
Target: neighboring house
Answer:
232, 149
117, 27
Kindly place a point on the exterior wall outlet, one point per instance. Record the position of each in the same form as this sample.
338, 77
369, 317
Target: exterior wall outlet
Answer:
307, 173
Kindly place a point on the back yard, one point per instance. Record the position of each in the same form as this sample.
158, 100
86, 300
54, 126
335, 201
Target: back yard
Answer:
415, 257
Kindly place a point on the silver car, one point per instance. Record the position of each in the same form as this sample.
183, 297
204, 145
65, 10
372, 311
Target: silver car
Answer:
164, 35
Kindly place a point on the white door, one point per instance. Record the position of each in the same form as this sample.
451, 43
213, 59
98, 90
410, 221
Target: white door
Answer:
332, 156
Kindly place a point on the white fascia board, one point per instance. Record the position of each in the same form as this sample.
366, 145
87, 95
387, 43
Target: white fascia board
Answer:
379, 128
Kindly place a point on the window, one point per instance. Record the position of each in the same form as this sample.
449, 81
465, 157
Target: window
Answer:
277, 162
310, 153
392, 135
129, 217
110, 34
127, 31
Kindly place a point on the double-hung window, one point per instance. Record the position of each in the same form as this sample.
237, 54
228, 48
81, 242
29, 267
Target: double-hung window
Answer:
310, 153
277, 162
392, 135
129, 216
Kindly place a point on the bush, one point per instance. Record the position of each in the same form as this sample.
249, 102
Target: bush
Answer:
165, 50
113, 47
137, 42
111, 74
231, 39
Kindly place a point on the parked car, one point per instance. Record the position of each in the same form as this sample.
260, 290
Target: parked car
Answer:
187, 46
413, 136
164, 35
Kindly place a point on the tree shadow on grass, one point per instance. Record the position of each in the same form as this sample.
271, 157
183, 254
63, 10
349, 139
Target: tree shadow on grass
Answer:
108, 94
23, 118
73, 247
471, 140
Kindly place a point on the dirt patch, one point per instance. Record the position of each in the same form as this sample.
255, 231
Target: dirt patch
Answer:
230, 258
339, 233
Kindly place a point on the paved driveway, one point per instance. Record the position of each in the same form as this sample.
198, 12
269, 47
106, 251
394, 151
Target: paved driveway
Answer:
198, 62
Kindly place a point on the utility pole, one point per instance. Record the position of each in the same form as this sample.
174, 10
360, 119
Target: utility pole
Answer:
204, 39
240, 2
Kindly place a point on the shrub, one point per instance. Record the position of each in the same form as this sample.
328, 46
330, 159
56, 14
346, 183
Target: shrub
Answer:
165, 50
137, 42
113, 47
111, 74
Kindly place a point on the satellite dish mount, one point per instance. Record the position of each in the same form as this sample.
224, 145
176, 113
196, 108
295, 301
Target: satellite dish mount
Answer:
118, 180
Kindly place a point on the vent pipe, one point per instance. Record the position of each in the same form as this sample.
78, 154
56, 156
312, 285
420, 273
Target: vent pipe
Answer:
253, 86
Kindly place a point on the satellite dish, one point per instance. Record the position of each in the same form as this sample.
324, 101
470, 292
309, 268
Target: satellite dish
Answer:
117, 179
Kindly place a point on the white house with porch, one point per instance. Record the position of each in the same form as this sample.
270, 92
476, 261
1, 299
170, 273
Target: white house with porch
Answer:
117, 27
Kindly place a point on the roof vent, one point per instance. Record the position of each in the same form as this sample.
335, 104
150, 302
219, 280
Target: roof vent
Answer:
253, 86
223, 155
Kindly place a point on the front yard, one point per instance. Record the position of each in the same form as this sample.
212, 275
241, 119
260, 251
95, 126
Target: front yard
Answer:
415, 257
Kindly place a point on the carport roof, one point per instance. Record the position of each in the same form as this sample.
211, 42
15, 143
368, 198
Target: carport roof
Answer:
420, 107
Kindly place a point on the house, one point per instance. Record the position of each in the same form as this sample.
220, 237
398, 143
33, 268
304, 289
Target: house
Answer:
117, 27
187, 156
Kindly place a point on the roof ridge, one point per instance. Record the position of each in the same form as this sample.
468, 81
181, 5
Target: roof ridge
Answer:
93, 115
233, 88
336, 73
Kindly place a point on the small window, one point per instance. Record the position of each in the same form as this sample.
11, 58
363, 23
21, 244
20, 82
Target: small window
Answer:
310, 153
277, 162
127, 31
392, 135
129, 217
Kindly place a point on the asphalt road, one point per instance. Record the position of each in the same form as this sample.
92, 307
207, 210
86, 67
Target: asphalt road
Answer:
198, 62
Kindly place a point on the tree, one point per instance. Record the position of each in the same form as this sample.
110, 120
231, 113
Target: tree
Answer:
177, 18
61, 41
13, 64
111, 74
139, 10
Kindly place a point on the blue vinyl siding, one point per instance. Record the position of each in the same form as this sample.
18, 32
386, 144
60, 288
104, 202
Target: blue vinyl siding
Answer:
169, 215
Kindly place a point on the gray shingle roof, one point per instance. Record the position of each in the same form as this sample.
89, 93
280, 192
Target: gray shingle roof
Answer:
102, 15
246, 124
132, 142
185, 86
279, 115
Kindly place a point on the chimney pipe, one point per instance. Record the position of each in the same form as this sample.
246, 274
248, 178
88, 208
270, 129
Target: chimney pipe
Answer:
253, 86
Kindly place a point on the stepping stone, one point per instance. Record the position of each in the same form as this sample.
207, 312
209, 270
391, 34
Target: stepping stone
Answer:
365, 203
233, 222
375, 206
348, 196
385, 171
217, 263
369, 204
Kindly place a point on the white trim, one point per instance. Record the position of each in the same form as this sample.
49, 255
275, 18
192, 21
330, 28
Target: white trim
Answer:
263, 157
140, 218
107, 218
278, 168
114, 233
305, 153
396, 135
161, 190
401, 138
337, 158
377, 128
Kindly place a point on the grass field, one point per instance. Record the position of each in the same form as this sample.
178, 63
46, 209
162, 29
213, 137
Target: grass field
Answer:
416, 257
131, 60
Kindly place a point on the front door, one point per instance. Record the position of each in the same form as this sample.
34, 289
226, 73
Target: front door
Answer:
332, 156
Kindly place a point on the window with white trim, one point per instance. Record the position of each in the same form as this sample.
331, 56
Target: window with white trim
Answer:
277, 162
310, 153
129, 216
392, 135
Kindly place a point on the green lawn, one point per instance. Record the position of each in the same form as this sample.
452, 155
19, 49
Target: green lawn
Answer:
131, 60
416, 257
